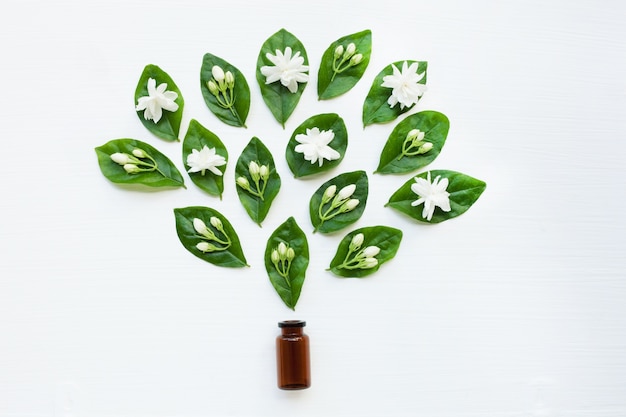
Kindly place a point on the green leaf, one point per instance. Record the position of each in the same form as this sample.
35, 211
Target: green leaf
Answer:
196, 138
225, 243
337, 76
325, 207
278, 98
168, 126
262, 189
288, 272
401, 155
464, 191
154, 170
349, 261
235, 101
375, 108
330, 121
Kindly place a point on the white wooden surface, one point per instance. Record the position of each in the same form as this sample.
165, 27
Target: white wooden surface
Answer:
516, 308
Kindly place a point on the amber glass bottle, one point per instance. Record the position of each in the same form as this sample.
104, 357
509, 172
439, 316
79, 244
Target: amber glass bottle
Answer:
292, 356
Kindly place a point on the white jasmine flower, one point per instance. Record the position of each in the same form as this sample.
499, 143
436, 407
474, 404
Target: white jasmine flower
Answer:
121, 158
282, 250
346, 191
206, 247
368, 263
288, 69
157, 100
371, 251
206, 158
314, 145
199, 226
217, 223
406, 87
431, 195
132, 168
218, 73
357, 241
349, 205
329, 193
139, 153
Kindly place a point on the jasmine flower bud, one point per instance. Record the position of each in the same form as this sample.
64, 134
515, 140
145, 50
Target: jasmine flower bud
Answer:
350, 50
349, 205
218, 73
139, 153
329, 193
338, 51
243, 183
368, 263
427, 146
255, 170
371, 251
217, 223
357, 241
290, 254
356, 59
131, 168
264, 172
275, 257
213, 88
230, 79
346, 191
413, 134
205, 247
199, 226
282, 251
121, 158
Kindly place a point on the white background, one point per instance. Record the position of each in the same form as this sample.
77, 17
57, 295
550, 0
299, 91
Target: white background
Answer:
516, 308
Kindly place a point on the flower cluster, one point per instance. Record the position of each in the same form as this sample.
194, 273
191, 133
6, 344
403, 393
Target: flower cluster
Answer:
281, 257
338, 203
405, 85
157, 100
314, 145
135, 163
205, 159
289, 70
431, 194
222, 86
361, 258
344, 59
259, 174
211, 242
414, 144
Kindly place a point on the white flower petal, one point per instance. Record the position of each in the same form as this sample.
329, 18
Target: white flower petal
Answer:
290, 70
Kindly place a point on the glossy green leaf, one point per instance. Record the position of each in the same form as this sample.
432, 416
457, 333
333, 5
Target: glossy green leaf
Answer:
401, 154
330, 207
286, 261
354, 254
168, 125
196, 138
152, 167
463, 189
339, 72
259, 186
324, 122
376, 109
277, 97
230, 104
221, 243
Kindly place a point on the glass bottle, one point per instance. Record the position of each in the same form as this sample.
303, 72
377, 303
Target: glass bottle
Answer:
292, 356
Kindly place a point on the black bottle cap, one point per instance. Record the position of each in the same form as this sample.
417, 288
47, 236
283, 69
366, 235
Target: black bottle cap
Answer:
292, 323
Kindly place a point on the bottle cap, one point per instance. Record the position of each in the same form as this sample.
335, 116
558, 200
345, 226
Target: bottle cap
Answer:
292, 323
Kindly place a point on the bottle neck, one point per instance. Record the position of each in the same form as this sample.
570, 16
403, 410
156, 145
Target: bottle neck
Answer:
292, 331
